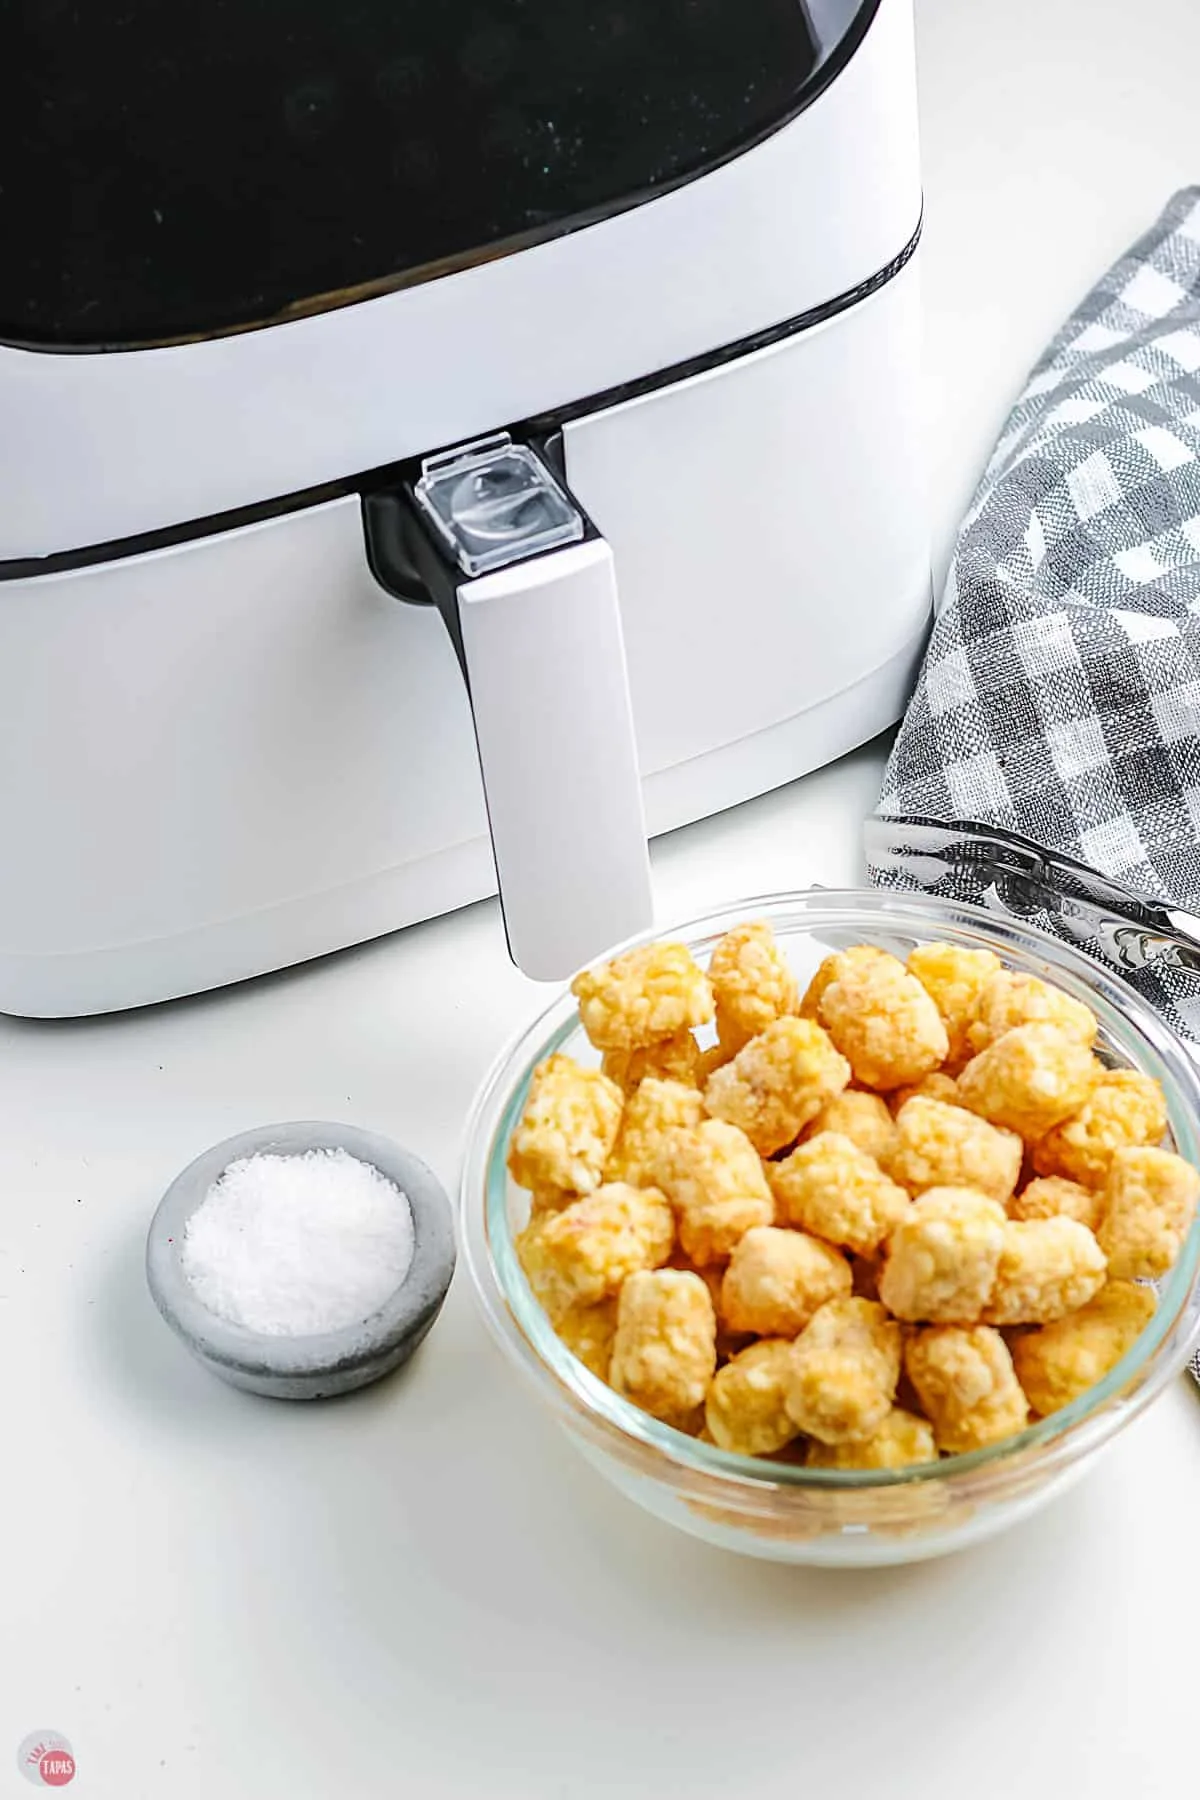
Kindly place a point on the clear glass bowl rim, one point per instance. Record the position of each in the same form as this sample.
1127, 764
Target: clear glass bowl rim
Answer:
523, 1331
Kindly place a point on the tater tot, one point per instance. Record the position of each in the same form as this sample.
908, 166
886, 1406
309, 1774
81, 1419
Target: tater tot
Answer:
863, 1118
1147, 1210
582, 1254
945, 1146
1058, 1363
642, 997
676, 1058
1049, 1197
845, 1366
832, 967
942, 1260
656, 1108
954, 978
776, 1280
965, 1382
714, 1178
777, 1082
745, 1411
830, 1187
664, 1354
901, 1442
1047, 1268
1124, 1109
1029, 1080
938, 1086
884, 1023
1010, 999
752, 983
588, 1333
568, 1128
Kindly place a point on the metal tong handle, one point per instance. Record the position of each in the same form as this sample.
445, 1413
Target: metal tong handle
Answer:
1019, 877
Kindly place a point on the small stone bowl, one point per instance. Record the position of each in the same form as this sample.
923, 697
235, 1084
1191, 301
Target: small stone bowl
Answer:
321, 1364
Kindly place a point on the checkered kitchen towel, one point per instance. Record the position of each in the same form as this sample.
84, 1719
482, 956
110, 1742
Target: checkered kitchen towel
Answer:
1060, 697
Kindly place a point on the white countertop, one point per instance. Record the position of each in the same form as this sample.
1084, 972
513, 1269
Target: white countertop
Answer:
422, 1591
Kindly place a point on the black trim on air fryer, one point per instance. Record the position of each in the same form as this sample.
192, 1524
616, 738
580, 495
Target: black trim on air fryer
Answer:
541, 426
351, 292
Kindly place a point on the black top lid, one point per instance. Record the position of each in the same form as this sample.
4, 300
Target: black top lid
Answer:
179, 168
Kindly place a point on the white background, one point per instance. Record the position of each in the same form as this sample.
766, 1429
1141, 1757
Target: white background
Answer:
421, 1591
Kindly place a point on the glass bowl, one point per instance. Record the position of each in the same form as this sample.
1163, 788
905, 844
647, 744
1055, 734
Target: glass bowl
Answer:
779, 1509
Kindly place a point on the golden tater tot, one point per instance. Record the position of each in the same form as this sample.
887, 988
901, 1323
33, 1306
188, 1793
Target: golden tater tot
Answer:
1147, 1211
642, 997
746, 1411
1029, 1080
714, 1178
776, 1280
1125, 1109
1010, 999
831, 968
1058, 1363
945, 1146
965, 1381
954, 978
582, 1254
884, 1023
568, 1128
664, 1354
845, 1367
656, 1108
832, 1189
942, 1259
752, 984
1047, 1268
777, 1082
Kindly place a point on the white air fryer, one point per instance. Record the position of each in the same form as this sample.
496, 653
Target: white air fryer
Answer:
397, 393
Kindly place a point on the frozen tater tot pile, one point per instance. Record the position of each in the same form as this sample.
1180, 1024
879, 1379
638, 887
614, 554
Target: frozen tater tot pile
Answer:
903, 1178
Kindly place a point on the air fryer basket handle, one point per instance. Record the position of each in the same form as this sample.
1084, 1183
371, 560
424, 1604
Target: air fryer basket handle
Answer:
544, 660
542, 652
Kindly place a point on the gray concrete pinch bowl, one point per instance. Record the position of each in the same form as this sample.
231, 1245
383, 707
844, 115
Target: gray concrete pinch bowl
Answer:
322, 1364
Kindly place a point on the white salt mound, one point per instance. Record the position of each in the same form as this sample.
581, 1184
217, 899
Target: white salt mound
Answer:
288, 1245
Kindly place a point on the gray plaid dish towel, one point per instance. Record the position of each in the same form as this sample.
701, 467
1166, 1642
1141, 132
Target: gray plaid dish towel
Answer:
1060, 696
1049, 763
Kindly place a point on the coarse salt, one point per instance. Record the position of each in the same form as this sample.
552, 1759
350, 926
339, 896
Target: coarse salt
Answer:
290, 1245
